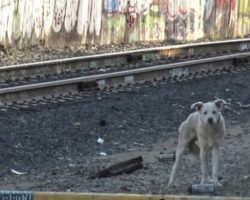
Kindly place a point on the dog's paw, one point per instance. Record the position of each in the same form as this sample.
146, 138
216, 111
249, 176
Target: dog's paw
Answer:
204, 181
170, 185
210, 180
217, 184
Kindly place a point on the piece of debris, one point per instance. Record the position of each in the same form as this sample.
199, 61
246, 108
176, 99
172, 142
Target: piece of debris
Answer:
138, 144
243, 106
202, 189
102, 122
100, 140
115, 143
127, 166
166, 156
245, 178
17, 172
103, 153
102, 70
102, 134
233, 111
77, 124
132, 149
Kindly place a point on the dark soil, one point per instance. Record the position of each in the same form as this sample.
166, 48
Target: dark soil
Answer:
56, 144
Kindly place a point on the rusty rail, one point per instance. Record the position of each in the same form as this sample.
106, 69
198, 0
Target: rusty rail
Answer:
122, 78
93, 61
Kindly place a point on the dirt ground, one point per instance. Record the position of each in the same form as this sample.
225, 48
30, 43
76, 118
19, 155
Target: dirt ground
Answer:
56, 146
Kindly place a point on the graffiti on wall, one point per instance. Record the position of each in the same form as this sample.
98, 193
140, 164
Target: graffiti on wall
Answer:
243, 17
25, 22
184, 19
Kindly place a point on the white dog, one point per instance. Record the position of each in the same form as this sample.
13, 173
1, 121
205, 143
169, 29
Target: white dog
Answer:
208, 126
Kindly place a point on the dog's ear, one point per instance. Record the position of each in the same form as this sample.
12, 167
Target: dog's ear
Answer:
197, 106
219, 103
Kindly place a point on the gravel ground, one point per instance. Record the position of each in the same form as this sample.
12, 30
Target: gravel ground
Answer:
39, 53
56, 144
11, 56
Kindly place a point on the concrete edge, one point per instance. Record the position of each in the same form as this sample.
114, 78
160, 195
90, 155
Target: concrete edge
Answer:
25, 195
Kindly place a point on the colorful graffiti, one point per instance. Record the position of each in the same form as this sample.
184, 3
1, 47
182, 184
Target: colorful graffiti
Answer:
26, 22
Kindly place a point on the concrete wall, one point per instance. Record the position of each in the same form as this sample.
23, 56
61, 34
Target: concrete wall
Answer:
58, 23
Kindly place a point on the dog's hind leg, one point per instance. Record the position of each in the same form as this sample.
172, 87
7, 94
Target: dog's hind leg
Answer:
182, 144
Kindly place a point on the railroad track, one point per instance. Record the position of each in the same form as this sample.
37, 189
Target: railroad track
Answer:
67, 79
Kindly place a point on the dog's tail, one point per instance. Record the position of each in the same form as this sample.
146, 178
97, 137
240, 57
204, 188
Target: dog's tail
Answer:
193, 146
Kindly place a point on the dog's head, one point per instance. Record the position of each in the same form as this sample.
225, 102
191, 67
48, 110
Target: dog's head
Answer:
210, 112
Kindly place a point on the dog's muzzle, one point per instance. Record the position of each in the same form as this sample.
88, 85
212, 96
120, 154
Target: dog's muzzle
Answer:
210, 120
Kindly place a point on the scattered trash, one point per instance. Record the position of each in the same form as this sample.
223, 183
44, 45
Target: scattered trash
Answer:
103, 153
243, 106
116, 143
103, 123
102, 134
202, 189
17, 172
166, 156
138, 144
76, 124
100, 140
229, 165
233, 111
102, 70
245, 178
132, 149
71, 165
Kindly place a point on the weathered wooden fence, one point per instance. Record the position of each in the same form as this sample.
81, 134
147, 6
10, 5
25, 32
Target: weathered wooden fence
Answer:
77, 22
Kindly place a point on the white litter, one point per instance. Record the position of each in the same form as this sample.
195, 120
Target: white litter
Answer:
103, 154
17, 172
132, 149
100, 140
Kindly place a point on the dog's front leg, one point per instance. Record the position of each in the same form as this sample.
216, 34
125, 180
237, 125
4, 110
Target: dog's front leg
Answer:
179, 152
215, 163
204, 163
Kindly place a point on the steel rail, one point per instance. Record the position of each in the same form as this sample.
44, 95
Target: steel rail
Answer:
95, 78
124, 53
